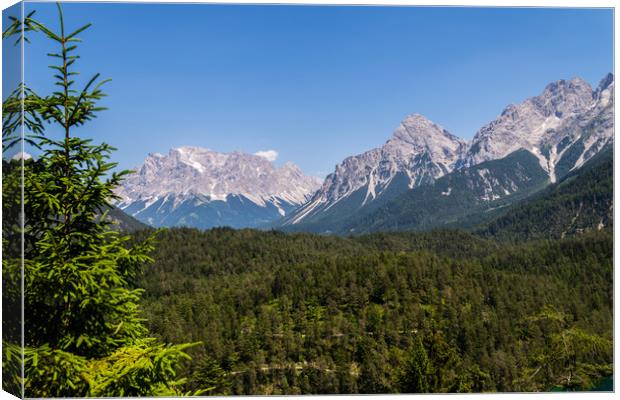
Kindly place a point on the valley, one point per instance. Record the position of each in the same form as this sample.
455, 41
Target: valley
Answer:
473, 266
281, 232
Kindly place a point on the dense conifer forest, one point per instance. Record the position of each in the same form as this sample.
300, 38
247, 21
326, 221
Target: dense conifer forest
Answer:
581, 201
441, 311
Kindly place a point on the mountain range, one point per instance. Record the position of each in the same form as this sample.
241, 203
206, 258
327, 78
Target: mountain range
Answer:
422, 177
192, 186
529, 146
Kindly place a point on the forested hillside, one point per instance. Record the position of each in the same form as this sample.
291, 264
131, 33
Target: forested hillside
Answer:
582, 201
458, 199
466, 199
123, 221
431, 312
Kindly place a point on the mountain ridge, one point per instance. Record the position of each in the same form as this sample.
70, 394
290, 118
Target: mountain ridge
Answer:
563, 127
419, 149
213, 186
545, 124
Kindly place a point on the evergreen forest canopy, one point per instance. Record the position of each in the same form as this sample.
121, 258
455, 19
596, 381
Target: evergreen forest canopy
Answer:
504, 309
442, 311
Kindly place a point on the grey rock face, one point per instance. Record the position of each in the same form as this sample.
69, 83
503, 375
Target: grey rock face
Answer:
191, 178
549, 125
419, 149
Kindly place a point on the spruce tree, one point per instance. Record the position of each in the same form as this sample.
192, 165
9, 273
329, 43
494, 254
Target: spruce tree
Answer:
211, 377
84, 335
418, 370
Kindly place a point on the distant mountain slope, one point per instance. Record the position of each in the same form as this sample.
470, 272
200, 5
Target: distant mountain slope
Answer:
422, 177
418, 152
582, 201
408, 183
197, 187
454, 197
123, 221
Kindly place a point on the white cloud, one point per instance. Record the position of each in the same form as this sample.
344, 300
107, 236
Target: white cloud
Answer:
270, 155
20, 155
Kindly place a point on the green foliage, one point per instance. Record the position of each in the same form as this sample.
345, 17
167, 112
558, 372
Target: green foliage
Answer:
417, 371
11, 365
18, 28
144, 368
573, 357
211, 378
301, 313
84, 332
54, 372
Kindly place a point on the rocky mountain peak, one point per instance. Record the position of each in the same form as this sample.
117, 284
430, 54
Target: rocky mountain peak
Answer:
419, 151
564, 97
563, 127
576, 84
417, 134
607, 81
195, 171
546, 125
416, 128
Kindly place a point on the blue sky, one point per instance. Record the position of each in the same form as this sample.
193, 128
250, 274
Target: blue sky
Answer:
315, 84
